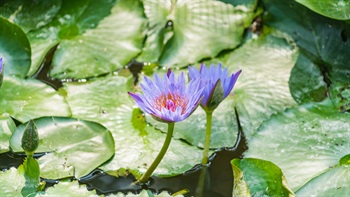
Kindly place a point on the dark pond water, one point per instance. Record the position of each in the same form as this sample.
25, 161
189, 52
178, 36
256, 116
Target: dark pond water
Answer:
213, 180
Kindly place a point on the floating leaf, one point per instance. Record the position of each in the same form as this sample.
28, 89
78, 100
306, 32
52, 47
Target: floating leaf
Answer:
334, 9
74, 146
26, 99
109, 45
184, 32
324, 41
7, 127
255, 177
106, 101
12, 181
304, 141
333, 182
30, 15
67, 189
307, 82
14, 49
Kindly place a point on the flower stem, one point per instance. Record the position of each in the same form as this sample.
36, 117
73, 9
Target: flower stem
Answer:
160, 155
207, 138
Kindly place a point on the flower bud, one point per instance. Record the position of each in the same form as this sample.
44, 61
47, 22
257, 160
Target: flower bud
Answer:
30, 139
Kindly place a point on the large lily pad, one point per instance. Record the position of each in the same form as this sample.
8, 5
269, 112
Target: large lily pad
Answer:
304, 141
74, 146
105, 100
255, 177
12, 181
67, 189
260, 91
324, 41
184, 32
30, 15
334, 182
334, 9
14, 49
26, 99
112, 44
7, 127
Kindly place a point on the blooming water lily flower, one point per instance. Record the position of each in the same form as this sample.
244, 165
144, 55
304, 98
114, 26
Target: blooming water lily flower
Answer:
217, 84
168, 99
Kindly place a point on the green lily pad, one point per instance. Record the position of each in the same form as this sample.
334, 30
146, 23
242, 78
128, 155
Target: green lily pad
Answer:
74, 146
14, 49
104, 49
105, 100
26, 99
144, 193
307, 82
333, 182
12, 181
7, 127
255, 177
259, 92
304, 141
324, 41
30, 15
334, 9
73, 19
184, 32
67, 189
101, 41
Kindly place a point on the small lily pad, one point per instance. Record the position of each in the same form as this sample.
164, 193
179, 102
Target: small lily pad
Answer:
255, 177
73, 146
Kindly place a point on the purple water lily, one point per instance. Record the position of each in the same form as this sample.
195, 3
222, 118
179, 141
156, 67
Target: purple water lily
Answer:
168, 99
217, 84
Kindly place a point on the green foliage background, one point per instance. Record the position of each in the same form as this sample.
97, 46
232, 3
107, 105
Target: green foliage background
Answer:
292, 98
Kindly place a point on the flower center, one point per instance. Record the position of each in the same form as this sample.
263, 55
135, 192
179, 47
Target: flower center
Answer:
171, 102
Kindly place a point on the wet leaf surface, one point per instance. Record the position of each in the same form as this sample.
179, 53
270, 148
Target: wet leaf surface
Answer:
73, 146
25, 99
